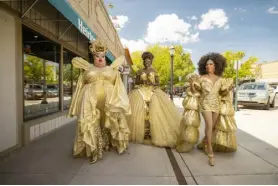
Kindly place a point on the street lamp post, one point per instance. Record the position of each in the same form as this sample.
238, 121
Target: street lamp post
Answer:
44, 100
236, 106
172, 51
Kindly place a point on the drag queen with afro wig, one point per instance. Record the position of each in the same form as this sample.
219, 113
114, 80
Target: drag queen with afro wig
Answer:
215, 105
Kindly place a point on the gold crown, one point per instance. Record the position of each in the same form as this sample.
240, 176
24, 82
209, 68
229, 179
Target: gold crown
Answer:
98, 46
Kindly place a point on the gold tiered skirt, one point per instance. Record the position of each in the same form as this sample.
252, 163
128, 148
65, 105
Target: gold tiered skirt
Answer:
152, 108
98, 128
190, 123
224, 134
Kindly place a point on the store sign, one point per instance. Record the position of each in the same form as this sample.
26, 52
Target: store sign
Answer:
85, 30
66, 9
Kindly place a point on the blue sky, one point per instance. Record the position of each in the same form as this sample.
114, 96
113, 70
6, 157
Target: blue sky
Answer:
239, 25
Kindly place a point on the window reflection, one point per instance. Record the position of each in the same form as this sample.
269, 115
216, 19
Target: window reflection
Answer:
71, 75
41, 75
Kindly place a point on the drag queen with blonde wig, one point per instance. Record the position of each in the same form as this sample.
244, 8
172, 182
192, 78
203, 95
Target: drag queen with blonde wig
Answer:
101, 104
155, 119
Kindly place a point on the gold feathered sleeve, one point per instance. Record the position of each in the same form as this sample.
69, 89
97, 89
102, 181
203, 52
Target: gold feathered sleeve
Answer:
226, 98
119, 100
79, 63
226, 84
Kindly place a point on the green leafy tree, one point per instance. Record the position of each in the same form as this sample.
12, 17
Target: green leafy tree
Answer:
182, 63
70, 74
246, 69
34, 70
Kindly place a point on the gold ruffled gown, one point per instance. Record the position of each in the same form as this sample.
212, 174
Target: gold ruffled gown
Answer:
155, 119
190, 122
224, 134
101, 104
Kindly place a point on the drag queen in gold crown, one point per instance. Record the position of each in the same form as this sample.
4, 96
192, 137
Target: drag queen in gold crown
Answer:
155, 119
101, 104
215, 104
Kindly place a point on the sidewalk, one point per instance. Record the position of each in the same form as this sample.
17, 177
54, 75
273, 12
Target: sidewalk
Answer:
49, 161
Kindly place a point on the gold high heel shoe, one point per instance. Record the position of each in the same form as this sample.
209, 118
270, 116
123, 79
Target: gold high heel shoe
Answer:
93, 158
211, 159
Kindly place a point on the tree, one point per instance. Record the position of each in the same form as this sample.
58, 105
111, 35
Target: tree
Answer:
137, 62
70, 74
182, 63
245, 69
33, 70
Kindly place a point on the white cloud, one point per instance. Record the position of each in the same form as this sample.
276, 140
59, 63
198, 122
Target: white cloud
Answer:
169, 28
227, 27
188, 50
194, 17
119, 21
272, 10
213, 18
134, 45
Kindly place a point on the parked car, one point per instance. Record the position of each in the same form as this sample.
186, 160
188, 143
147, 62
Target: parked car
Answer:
33, 91
256, 94
67, 90
52, 90
275, 88
275, 92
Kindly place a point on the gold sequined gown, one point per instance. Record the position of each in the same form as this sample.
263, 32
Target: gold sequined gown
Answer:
155, 119
210, 97
190, 122
218, 98
101, 104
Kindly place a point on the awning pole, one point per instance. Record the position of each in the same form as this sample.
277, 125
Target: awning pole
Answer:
64, 32
29, 8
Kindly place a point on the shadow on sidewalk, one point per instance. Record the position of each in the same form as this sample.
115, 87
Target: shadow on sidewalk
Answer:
46, 161
49, 160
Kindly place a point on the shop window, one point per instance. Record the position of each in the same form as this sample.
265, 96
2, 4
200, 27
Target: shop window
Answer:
70, 75
41, 75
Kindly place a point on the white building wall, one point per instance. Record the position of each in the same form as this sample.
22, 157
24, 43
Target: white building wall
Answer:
8, 105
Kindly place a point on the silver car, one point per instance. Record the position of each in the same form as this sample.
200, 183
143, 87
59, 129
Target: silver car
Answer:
33, 91
256, 94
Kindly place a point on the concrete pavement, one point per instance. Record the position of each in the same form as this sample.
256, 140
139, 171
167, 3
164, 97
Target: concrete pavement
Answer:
263, 124
49, 161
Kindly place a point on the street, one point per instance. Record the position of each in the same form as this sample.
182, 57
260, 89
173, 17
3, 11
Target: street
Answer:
262, 124
49, 160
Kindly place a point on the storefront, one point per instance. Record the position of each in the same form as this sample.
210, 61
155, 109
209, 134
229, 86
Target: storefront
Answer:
38, 40
268, 72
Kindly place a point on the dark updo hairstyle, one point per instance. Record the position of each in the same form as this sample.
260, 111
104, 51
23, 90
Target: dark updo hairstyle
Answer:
219, 62
147, 55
